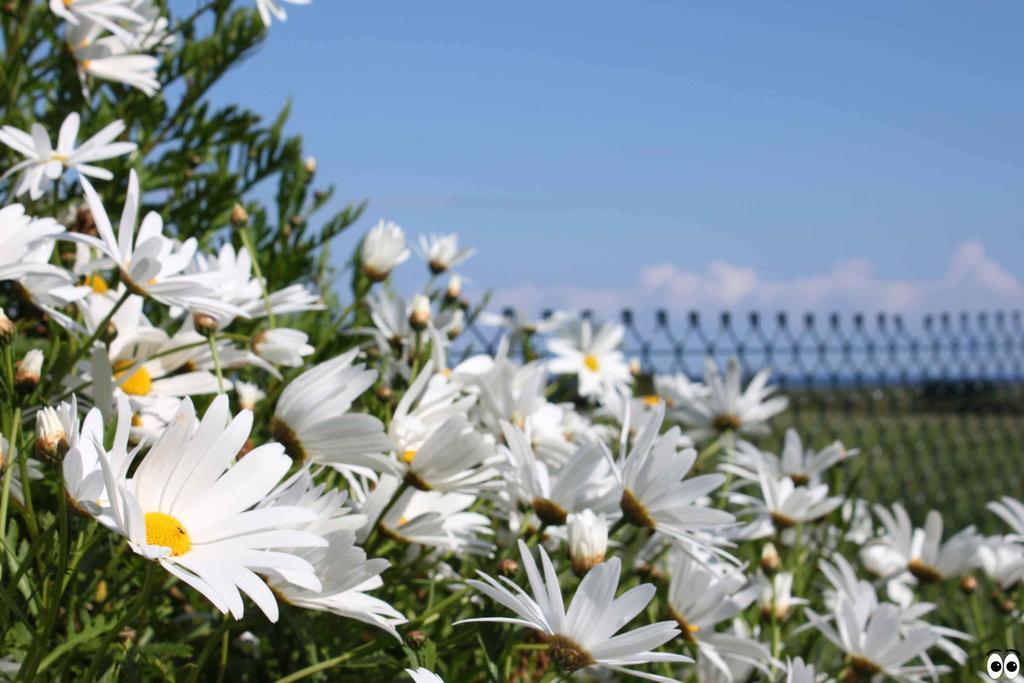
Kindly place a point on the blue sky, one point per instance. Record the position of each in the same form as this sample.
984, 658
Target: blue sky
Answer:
795, 155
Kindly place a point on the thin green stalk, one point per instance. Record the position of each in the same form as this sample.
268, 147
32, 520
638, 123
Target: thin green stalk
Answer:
250, 245
26, 490
100, 329
216, 363
328, 663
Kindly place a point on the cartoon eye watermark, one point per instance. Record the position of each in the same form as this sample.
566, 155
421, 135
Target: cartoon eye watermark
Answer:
1006, 665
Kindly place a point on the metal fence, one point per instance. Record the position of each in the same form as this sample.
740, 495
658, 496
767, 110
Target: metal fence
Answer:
935, 403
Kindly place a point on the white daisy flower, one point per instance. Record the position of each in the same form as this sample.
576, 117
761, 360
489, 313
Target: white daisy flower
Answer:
799, 672
83, 476
775, 595
922, 551
313, 421
519, 324
344, 573
656, 492
584, 482
383, 250
269, 9
191, 507
282, 346
118, 58
584, 636
441, 252
236, 285
727, 408
429, 518
588, 540
453, 458
422, 675
876, 642
50, 289
785, 503
44, 163
248, 395
1002, 561
111, 15
701, 596
150, 264
594, 358
20, 235
802, 465
1010, 511
431, 400
392, 330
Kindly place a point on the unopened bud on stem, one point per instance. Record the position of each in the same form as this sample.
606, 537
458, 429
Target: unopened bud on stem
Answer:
239, 216
205, 324
419, 317
26, 377
51, 439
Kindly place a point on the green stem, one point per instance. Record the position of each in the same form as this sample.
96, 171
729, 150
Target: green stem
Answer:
250, 245
100, 329
327, 663
216, 363
26, 490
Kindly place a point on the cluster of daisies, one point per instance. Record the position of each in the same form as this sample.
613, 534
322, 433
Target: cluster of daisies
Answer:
637, 498
472, 458
121, 40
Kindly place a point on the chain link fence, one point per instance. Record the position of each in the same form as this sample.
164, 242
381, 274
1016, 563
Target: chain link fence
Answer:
935, 403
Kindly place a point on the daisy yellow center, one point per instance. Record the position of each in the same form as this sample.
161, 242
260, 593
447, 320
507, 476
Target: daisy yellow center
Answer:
166, 531
687, 630
403, 521
568, 654
726, 422
409, 455
924, 571
68, 3
86, 64
59, 157
590, 360
136, 420
97, 283
651, 400
138, 384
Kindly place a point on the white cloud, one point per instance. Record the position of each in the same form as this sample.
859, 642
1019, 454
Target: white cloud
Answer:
972, 281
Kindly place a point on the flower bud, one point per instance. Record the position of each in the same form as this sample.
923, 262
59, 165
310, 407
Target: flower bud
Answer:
27, 376
84, 222
310, 165
588, 540
51, 439
420, 315
382, 250
384, 392
248, 395
770, 560
416, 639
205, 324
454, 288
508, 567
635, 369
7, 329
239, 216
968, 584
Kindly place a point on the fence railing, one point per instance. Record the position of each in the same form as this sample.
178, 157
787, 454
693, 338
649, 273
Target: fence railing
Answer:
936, 402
